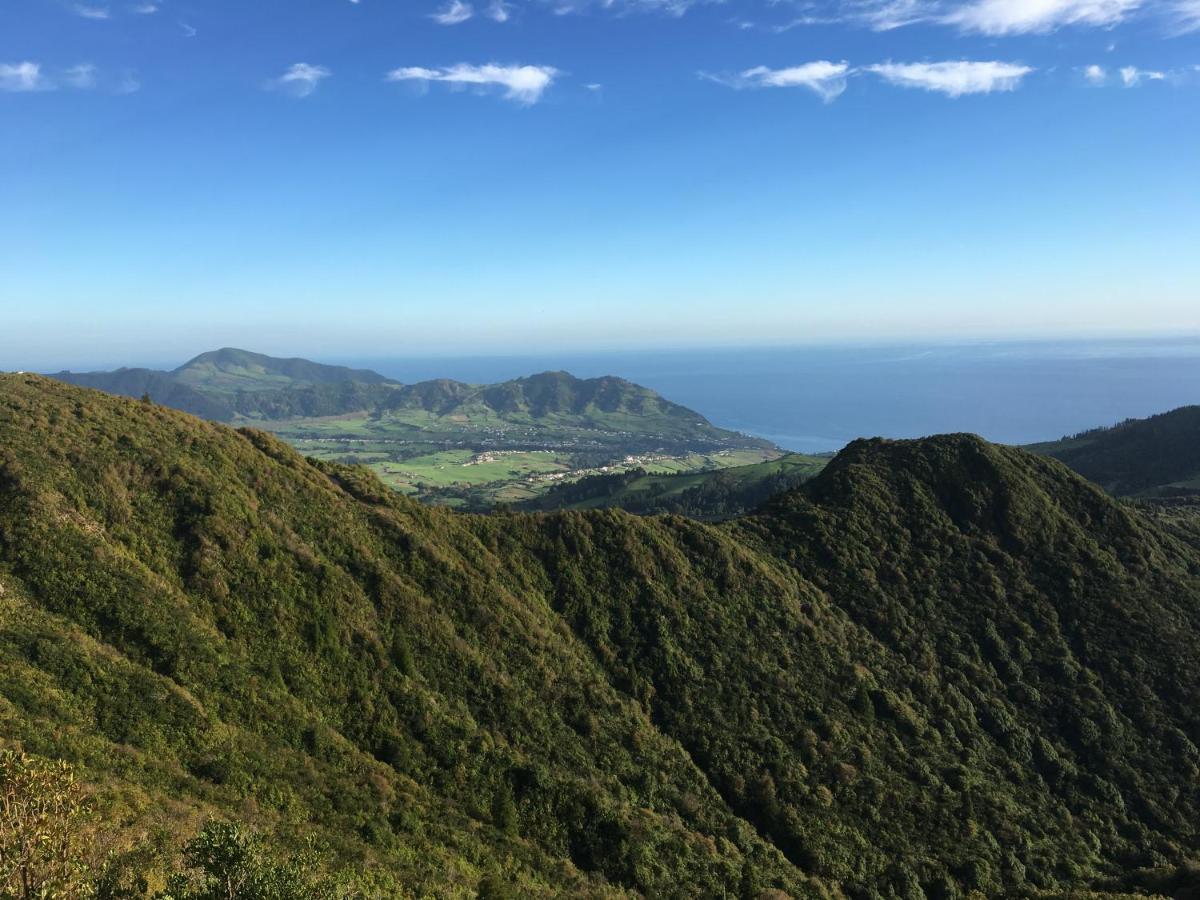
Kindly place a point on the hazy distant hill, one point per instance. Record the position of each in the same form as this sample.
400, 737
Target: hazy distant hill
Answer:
1154, 457
229, 370
938, 667
228, 384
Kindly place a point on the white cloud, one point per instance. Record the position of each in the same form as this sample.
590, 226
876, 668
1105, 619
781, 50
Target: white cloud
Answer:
1024, 16
82, 76
1186, 14
453, 13
674, 8
145, 9
188, 30
23, 76
1095, 74
499, 11
522, 84
93, 12
301, 79
954, 78
1131, 76
824, 78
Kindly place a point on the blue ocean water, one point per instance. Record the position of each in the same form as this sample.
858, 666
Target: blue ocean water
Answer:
819, 398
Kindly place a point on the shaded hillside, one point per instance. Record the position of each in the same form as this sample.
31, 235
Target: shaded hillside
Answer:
938, 667
159, 386
712, 495
1154, 457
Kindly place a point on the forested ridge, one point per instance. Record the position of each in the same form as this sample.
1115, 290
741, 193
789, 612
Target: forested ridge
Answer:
939, 667
1154, 457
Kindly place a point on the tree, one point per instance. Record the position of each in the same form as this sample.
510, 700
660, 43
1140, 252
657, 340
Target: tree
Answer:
227, 862
44, 840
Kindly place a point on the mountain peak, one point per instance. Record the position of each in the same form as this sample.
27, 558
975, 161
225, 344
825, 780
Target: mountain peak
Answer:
231, 369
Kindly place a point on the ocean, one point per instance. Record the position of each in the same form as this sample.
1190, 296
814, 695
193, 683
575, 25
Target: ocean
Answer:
818, 398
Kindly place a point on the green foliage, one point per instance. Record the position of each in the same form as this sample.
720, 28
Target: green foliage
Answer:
1154, 457
43, 845
938, 668
226, 862
712, 495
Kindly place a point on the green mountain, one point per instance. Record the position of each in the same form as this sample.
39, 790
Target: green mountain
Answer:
225, 384
938, 667
231, 385
1154, 457
229, 370
465, 445
709, 495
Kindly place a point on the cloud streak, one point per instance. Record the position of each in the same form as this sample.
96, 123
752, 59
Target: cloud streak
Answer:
824, 78
953, 78
1001, 17
453, 13
1132, 76
521, 84
300, 80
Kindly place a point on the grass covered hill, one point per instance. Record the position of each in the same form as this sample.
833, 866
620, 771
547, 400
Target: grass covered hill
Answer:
708, 495
938, 667
230, 370
1154, 457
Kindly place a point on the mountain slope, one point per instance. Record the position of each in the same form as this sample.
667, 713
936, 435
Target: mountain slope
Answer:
710, 495
229, 370
938, 667
208, 621
1154, 457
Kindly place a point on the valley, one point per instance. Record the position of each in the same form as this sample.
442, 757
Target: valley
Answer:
446, 442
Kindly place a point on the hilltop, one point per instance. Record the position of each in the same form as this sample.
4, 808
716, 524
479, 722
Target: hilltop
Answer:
1154, 457
938, 667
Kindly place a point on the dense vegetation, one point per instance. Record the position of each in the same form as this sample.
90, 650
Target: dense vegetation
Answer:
709, 495
938, 667
1152, 458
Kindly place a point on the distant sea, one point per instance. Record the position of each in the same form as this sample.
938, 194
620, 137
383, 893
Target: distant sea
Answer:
816, 399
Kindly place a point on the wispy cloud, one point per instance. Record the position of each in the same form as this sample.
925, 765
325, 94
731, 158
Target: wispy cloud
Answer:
521, 84
1025, 16
93, 12
82, 76
30, 76
1095, 74
23, 76
953, 78
1186, 16
145, 9
499, 11
1132, 76
453, 13
128, 83
824, 78
300, 80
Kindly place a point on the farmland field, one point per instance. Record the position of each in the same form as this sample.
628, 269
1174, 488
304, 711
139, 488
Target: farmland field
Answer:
478, 460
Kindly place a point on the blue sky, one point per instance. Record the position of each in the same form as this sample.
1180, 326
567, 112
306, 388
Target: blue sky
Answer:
399, 176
